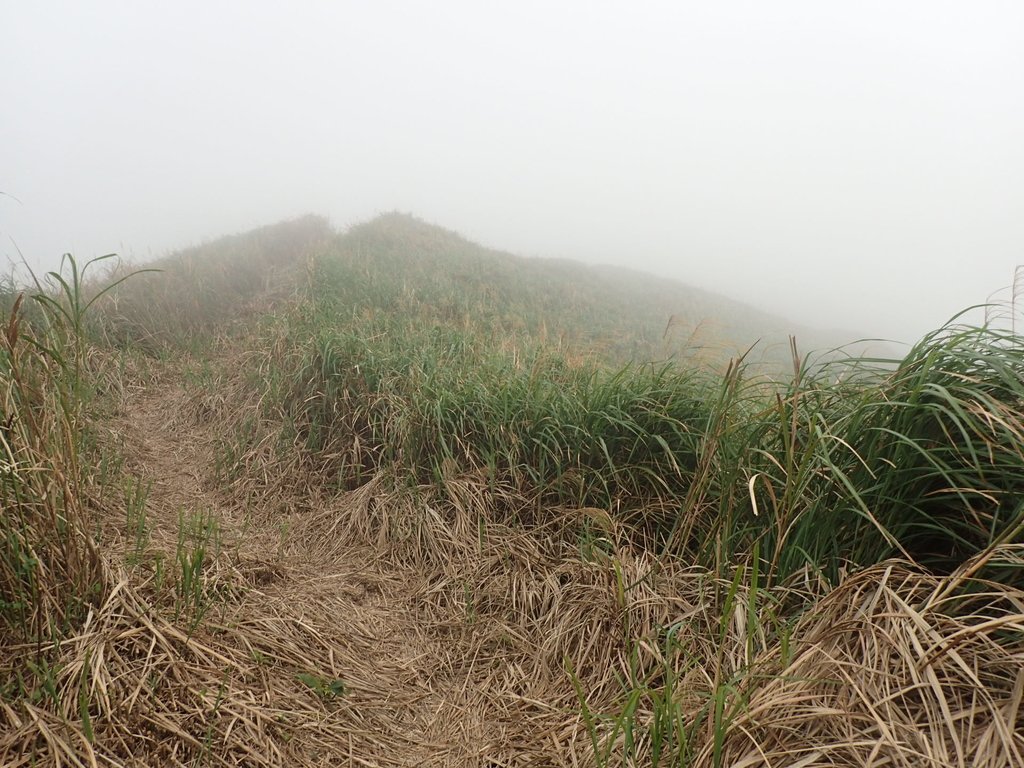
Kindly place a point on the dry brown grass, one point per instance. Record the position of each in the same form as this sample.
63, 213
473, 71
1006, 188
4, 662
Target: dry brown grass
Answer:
50, 570
458, 624
889, 669
454, 633
494, 618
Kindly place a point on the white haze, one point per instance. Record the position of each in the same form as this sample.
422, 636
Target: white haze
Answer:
855, 165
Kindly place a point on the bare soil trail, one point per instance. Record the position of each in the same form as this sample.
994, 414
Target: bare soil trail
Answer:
339, 656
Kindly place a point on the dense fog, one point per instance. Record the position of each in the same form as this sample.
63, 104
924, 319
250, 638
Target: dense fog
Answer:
855, 165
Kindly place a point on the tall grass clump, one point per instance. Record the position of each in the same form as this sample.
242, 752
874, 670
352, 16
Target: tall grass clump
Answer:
945, 444
923, 461
431, 401
50, 571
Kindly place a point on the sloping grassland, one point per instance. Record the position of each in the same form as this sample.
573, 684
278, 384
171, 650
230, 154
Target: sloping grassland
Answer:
386, 498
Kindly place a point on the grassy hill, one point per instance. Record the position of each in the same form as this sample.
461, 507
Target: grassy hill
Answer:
617, 314
385, 497
397, 263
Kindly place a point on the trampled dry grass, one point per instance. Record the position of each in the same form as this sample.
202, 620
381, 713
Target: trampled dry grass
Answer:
453, 638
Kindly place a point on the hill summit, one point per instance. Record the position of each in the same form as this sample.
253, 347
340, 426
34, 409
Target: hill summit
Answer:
622, 315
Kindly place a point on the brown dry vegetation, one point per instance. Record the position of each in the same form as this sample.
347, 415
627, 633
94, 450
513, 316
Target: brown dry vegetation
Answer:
251, 610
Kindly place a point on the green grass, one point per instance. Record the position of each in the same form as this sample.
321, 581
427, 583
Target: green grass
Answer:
396, 264
418, 358
844, 461
50, 573
401, 354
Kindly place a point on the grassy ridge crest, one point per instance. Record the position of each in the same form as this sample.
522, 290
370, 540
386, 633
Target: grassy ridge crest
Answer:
695, 562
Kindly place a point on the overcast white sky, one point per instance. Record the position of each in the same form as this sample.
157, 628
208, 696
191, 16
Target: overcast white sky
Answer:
855, 164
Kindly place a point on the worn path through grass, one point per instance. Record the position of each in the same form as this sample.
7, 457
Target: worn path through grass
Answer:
384, 681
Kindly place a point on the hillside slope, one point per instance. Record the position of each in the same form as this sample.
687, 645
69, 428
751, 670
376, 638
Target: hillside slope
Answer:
401, 265
621, 315
385, 498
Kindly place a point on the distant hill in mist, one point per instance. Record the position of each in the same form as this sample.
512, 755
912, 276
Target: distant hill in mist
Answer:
621, 314
398, 264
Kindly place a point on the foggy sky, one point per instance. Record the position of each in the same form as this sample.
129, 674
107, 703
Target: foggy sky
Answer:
856, 165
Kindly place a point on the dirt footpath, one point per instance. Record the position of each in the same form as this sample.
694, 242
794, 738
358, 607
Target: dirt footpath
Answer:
341, 653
